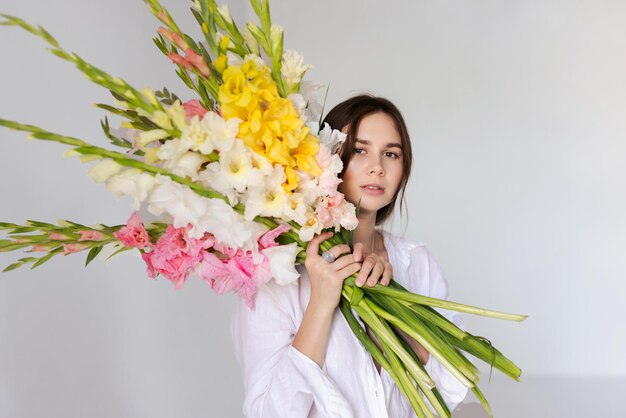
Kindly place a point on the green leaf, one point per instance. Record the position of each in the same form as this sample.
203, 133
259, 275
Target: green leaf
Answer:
12, 267
92, 254
40, 224
120, 142
118, 251
160, 43
482, 400
357, 296
45, 258
23, 229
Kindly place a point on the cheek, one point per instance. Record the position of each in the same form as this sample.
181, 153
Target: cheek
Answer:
395, 172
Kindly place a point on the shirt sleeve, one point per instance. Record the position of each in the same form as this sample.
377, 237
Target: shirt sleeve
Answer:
280, 381
451, 389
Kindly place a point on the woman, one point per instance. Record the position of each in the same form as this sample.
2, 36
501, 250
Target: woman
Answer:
298, 355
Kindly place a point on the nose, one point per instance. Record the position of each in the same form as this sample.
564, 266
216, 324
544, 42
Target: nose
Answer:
376, 168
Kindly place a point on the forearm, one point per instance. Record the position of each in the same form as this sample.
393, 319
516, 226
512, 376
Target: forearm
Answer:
312, 336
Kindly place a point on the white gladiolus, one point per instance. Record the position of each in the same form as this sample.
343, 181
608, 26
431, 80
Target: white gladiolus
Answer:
172, 150
162, 119
282, 260
211, 177
103, 170
133, 183
196, 136
220, 132
203, 215
270, 199
308, 187
293, 67
298, 101
332, 138
176, 113
309, 90
310, 227
189, 164
149, 136
295, 209
236, 170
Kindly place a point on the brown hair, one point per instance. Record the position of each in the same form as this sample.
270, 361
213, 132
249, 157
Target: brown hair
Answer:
350, 113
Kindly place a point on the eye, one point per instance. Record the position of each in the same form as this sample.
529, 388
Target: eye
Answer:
391, 155
358, 150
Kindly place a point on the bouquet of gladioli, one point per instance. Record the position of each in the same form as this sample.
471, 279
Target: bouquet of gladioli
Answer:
240, 178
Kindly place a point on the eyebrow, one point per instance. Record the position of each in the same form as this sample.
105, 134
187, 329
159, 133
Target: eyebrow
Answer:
389, 144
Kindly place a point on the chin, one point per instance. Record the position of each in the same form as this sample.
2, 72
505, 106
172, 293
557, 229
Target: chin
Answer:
372, 204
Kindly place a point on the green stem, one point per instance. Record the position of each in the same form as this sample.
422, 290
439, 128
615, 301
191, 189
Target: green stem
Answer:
386, 335
441, 303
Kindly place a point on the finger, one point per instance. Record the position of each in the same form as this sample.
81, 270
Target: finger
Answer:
341, 262
377, 271
340, 249
349, 270
313, 248
387, 274
358, 251
367, 266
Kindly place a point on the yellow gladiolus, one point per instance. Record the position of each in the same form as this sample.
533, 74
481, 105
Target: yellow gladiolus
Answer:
221, 62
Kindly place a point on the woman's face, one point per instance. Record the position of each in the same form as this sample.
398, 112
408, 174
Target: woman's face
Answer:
374, 171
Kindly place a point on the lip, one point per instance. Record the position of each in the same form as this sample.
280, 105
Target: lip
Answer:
378, 190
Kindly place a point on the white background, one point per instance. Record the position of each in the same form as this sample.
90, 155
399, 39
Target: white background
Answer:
517, 111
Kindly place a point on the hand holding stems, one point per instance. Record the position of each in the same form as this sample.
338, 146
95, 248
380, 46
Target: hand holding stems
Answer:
327, 281
374, 267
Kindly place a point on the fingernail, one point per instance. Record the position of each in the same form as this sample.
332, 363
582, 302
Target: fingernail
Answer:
359, 283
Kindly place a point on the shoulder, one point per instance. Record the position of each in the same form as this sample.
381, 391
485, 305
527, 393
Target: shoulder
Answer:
414, 266
404, 248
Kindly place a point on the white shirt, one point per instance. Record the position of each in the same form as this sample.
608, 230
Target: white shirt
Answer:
280, 381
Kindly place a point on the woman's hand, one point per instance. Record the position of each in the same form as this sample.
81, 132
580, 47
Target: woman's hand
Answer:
327, 278
374, 267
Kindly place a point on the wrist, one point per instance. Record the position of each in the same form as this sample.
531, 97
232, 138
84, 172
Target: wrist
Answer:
319, 306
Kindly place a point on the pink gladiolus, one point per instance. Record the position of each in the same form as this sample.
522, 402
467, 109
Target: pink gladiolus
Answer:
198, 62
166, 34
236, 273
73, 248
227, 251
192, 108
147, 258
91, 235
330, 210
56, 236
164, 18
180, 60
40, 248
134, 234
269, 238
179, 41
175, 255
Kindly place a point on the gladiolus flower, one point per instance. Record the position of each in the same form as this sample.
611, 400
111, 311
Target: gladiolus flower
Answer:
198, 62
134, 234
40, 248
180, 60
192, 108
175, 255
91, 235
73, 248
57, 236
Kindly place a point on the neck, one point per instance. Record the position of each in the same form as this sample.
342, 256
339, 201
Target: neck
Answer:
364, 232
